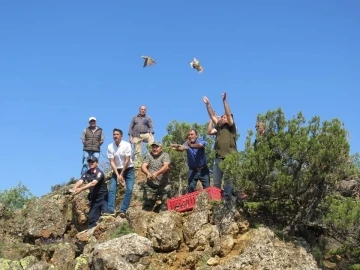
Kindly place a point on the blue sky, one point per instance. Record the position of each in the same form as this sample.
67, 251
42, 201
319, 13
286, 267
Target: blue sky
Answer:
62, 62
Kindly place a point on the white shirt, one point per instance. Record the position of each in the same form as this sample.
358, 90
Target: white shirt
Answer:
119, 153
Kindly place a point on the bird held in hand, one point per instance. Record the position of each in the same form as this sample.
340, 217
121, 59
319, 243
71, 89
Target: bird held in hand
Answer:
195, 64
148, 61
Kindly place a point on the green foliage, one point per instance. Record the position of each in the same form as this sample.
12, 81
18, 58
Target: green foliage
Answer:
350, 251
56, 187
177, 133
16, 197
355, 168
342, 217
123, 229
294, 165
318, 256
342, 213
354, 267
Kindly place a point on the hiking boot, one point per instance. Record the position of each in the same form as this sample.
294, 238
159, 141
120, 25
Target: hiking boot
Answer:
122, 215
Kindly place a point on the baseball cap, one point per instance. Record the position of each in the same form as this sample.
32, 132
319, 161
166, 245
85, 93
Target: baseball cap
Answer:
92, 118
92, 158
156, 143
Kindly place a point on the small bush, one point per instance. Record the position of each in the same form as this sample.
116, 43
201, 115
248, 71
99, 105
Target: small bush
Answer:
16, 198
354, 267
123, 229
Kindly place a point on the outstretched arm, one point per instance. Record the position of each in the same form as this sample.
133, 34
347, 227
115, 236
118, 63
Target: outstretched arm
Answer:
227, 110
177, 148
210, 110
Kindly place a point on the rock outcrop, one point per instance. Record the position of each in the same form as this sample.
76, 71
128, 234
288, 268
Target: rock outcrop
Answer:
51, 233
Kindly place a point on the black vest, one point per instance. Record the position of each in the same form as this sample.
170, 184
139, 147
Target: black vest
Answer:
92, 140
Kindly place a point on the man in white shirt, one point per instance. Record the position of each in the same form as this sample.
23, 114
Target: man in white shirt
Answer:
119, 154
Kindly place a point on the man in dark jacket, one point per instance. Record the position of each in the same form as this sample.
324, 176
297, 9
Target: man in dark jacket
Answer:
98, 196
92, 138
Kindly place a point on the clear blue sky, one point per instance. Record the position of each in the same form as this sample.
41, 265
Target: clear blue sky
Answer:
64, 61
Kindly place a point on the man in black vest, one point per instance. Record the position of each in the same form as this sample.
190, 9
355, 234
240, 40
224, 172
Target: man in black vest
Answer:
225, 144
92, 138
98, 196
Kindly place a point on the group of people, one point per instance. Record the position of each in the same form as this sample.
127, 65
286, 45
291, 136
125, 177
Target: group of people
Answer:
124, 156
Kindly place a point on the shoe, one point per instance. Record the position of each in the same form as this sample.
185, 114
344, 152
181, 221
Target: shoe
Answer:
108, 214
122, 215
158, 202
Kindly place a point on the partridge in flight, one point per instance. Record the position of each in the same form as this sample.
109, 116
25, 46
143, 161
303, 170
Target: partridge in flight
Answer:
195, 64
148, 61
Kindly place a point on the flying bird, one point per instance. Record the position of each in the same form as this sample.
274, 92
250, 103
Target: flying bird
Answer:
195, 64
148, 61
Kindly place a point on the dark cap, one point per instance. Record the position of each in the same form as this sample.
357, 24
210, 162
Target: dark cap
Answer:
92, 158
156, 143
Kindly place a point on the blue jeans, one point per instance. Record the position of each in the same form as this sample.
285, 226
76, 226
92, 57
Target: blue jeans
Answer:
218, 175
194, 175
129, 176
86, 155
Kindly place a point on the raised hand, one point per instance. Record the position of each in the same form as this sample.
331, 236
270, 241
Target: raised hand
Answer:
223, 96
206, 100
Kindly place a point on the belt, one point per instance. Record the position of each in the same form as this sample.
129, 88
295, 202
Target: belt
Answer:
198, 168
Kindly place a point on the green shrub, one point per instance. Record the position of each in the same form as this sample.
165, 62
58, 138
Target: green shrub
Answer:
342, 213
123, 229
16, 197
294, 165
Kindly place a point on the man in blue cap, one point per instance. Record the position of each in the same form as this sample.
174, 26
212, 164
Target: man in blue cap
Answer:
94, 180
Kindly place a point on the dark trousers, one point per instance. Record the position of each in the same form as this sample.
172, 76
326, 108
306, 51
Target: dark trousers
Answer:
152, 194
98, 205
195, 174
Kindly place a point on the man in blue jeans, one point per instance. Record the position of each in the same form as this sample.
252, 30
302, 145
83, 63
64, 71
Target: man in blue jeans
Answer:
92, 139
119, 154
196, 158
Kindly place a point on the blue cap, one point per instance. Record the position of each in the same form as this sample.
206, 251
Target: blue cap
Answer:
92, 158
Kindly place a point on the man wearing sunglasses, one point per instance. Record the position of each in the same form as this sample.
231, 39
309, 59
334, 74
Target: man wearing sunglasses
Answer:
94, 180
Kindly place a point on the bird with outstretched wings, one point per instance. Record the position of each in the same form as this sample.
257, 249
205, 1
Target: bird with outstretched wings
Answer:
195, 64
148, 61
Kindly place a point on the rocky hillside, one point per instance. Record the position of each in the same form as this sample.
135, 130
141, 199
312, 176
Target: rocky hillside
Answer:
51, 233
